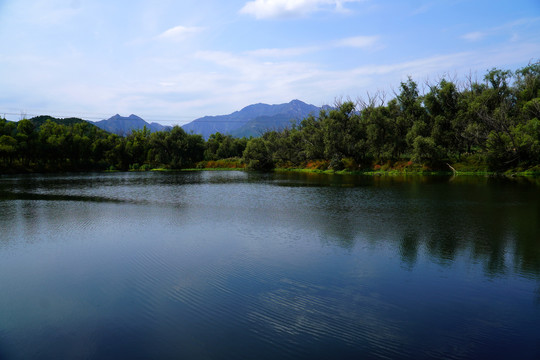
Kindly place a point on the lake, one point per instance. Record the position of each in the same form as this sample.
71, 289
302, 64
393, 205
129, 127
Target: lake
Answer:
237, 265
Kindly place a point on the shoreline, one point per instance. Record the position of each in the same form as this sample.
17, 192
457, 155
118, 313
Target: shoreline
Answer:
370, 172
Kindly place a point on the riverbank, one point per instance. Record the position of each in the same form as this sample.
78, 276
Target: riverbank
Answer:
321, 167
394, 172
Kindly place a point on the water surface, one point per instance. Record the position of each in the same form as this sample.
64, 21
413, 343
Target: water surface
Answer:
232, 265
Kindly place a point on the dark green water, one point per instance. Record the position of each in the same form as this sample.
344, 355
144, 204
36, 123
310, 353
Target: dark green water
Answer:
231, 265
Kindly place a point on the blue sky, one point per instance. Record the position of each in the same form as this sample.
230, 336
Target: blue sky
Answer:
174, 61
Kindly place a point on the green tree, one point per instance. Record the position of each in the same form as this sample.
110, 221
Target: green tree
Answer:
410, 111
193, 150
219, 146
312, 137
343, 135
53, 145
527, 83
26, 141
426, 151
175, 149
379, 131
212, 145
137, 146
257, 155
8, 148
442, 105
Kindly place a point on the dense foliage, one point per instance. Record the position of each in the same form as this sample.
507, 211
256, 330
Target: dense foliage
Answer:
493, 125
490, 125
48, 145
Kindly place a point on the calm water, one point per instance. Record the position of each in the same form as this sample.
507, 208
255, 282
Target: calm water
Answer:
231, 265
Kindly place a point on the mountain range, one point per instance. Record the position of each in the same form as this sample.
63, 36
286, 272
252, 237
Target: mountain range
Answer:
253, 120
122, 125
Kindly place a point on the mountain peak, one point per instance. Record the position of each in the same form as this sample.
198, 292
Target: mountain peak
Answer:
253, 119
122, 125
296, 101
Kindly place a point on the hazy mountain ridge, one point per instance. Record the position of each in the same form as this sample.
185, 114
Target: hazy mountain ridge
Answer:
253, 120
261, 124
122, 125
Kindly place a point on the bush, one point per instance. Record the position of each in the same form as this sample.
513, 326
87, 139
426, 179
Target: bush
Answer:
336, 163
317, 165
349, 164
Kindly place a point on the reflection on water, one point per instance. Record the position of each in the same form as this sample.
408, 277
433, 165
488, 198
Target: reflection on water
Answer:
246, 265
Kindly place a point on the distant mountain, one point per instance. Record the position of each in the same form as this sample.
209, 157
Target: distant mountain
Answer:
123, 126
253, 120
261, 124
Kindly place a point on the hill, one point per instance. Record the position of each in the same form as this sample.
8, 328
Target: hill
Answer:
40, 120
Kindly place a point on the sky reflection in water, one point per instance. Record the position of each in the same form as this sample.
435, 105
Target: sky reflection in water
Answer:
240, 265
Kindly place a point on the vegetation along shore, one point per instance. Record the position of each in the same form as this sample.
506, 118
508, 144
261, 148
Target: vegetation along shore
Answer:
482, 127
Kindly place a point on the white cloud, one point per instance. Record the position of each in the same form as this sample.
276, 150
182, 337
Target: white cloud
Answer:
246, 79
178, 33
474, 36
218, 82
358, 42
266, 9
506, 28
280, 53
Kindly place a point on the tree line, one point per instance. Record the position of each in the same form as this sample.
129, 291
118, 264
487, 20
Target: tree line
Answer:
37, 145
492, 124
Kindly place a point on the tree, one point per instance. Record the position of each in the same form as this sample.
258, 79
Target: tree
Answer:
26, 141
312, 137
53, 145
379, 131
343, 134
219, 146
257, 156
212, 145
426, 151
8, 147
137, 146
527, 83
442, 105
410, 111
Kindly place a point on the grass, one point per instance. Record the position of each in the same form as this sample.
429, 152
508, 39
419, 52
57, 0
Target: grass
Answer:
214, 169
401, 172
471, 165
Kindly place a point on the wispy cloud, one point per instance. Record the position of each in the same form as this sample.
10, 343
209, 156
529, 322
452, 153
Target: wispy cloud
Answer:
52, 13
267, 9
283, 52
247, 79
179, 33
474, 36
504, 28
423, 8
358, 42
240, 79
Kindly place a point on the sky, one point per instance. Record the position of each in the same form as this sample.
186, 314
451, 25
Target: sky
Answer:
174, 61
